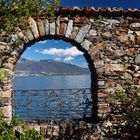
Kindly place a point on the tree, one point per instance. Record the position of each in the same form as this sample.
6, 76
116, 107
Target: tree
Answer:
15, 13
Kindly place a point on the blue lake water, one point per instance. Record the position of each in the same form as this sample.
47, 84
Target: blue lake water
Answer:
49, 103
51, 82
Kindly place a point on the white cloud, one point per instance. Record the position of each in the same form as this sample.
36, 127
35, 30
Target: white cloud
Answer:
67, 59
36, 51
73, 51
57, 59
42, 42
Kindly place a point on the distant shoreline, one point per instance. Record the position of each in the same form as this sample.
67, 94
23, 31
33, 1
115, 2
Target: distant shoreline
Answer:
20, 75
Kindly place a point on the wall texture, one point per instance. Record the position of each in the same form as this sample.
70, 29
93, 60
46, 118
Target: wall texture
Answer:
111, 38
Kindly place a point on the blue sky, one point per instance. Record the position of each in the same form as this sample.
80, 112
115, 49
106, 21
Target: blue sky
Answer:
56, 50
62, 51
102, 3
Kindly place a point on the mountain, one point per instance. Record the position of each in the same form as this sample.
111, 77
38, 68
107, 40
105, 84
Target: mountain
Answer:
47, 67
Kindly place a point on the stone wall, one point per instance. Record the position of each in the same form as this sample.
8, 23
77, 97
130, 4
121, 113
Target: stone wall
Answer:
112, 41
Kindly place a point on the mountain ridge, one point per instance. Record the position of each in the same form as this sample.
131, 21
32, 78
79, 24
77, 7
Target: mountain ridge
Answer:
48, 67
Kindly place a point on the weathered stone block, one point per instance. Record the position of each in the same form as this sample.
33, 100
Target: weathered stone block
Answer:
96, 47
138, 40
46, 26
134, 25
111, 21
14, 37
95, 56
109, 90
7, 93
9, 66
116, 67
7, 111
103, 110
137, 59
33, 26
137, 33
107, 34
101, 83
127, 76
93, 32
69, 28
99, 70
123, 38
22, 36
103, 95
98, 63
131, 38
86, 44
74, 32
5, 101
58, 25
41, 27
119, 53
3, 43
91, 20
82, 33
63, 27
52, 28
29, 35
20, 48
2, 47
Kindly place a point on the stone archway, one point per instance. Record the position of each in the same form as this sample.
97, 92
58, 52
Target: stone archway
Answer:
111, 41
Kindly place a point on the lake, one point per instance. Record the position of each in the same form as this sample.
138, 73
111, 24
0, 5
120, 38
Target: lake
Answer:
51, 82
52, 97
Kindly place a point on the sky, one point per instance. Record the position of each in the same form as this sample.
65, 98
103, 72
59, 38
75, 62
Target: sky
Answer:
59, 50
102, 3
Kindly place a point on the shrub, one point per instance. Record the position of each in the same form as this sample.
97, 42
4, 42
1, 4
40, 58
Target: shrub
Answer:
129, 99
7, 131
15, 13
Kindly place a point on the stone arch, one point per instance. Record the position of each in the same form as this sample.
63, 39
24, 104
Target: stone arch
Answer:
86, 55
111, 39
38, 30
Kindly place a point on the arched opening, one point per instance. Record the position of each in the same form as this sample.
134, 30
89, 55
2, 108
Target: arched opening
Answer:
70, 102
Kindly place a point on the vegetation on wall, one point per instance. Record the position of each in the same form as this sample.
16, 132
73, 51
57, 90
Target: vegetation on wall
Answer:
126, 102
15, 13
9, 132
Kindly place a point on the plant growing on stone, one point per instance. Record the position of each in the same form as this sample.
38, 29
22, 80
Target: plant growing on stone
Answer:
129, 98
15, 13
1, 74
8, 131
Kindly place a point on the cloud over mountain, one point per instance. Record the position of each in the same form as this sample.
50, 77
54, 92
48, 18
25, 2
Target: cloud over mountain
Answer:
67, 59
73, 51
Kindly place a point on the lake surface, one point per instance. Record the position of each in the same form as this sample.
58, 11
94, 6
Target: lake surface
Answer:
38, 97
51, 82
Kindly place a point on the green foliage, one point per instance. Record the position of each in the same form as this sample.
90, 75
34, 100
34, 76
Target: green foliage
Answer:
30, 134
126, 103
2, 77
15, 13
130, 100
7, 131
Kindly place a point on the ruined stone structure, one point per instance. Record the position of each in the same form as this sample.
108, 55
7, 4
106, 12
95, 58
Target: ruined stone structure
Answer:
109, 38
